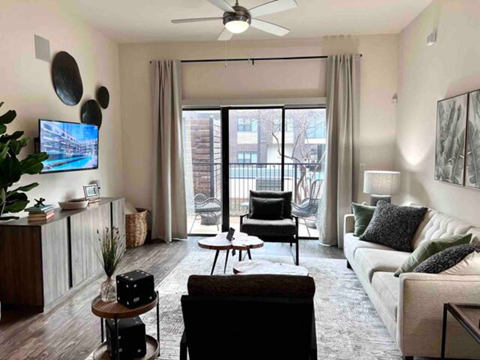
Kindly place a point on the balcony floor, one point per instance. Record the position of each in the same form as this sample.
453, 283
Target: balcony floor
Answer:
198, 228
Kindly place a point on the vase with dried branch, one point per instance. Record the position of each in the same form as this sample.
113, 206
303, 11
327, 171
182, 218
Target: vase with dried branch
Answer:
110, 252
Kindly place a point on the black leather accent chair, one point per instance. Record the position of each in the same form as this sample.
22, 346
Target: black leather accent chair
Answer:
254, 317
283, 231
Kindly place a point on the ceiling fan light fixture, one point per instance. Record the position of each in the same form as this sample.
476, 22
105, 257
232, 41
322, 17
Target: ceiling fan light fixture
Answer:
237, 26
237, 23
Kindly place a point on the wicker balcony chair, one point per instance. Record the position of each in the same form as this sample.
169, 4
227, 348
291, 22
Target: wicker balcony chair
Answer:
206, 207
309, 206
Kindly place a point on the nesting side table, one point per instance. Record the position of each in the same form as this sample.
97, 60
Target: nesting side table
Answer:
117, 311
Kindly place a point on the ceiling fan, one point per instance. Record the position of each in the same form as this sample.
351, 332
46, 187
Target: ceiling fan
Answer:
238, 19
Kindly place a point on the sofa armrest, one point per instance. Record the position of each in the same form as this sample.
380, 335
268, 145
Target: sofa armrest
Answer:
349, 224
420, 314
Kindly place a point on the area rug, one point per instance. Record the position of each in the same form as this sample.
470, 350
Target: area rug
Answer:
347, 324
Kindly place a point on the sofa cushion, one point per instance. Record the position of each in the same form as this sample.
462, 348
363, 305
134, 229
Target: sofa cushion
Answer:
445, 259
285, 195
373, 260
437, 226
351, 244
267, 209
475, 235
363, 216
429, 248
468, 266
394, 226
281, 228
387, 287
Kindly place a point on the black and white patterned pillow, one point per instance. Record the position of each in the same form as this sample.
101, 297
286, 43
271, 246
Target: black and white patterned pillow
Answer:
394, 226
445, 259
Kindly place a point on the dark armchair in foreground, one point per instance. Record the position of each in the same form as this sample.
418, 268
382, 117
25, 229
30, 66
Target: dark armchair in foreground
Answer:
268, 221
254, 317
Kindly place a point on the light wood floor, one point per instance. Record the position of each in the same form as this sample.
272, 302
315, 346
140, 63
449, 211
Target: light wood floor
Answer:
70, 331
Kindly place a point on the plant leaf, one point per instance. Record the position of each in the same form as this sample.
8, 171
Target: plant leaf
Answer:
473, 155
16, 203
458, 162
23, 189
16, 146
8, 117
3, 195
33, 163
3, 129
15, 136
4, 151
10, 172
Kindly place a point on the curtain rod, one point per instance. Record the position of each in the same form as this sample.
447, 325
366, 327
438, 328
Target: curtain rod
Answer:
256, 59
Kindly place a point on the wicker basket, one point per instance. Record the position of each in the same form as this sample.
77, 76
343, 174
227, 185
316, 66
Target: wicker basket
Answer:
136, 229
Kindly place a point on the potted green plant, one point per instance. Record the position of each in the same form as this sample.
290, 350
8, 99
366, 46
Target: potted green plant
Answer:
12, 168
111, 250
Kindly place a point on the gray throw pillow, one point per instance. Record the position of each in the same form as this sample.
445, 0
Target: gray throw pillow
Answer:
445, 259
267, 209
394, 226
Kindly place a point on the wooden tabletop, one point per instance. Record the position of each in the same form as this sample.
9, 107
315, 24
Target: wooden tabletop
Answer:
241, 241
263, 267
115, 310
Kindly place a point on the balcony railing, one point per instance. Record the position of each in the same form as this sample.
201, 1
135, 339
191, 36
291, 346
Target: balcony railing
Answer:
244, 177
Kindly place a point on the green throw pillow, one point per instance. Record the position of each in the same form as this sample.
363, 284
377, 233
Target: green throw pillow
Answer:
429, 248
363, 216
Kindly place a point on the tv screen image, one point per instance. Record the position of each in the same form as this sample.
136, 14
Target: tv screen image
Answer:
70, 146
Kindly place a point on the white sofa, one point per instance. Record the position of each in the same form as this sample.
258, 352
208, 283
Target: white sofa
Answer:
411, 306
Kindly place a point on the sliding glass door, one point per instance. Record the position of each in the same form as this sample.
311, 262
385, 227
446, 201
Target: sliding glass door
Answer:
272, 148
255, 156
203, 170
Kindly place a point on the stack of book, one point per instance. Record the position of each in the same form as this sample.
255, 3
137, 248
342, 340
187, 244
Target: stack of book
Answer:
40, 213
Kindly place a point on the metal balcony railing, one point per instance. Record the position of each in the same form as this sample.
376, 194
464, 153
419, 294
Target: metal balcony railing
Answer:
298, 177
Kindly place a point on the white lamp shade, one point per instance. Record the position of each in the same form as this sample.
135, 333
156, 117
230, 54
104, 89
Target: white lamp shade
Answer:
237, 26
381, 182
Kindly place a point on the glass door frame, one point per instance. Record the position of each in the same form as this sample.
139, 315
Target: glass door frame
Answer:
225, 151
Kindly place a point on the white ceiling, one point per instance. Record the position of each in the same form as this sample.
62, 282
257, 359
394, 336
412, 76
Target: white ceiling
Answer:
130, 21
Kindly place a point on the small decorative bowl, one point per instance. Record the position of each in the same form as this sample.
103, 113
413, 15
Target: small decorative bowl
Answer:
73, 205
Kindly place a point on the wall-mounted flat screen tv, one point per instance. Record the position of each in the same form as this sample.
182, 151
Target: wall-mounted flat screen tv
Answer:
70, 146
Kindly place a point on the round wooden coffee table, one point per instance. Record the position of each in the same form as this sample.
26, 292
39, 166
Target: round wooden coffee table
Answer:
263, 267
116, 311
241, 242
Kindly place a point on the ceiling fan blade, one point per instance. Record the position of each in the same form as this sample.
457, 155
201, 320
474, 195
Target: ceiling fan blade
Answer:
223, 5
225, 35
183, 21
269, 27
272, 7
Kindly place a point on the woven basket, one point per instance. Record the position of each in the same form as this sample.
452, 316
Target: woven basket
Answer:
136, 229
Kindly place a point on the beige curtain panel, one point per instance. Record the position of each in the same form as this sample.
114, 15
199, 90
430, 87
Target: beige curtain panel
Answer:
343, 94
169, 206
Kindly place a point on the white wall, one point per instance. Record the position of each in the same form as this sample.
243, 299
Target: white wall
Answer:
426, 75
376, 132
26, 86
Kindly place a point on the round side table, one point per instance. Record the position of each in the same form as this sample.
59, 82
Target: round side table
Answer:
117, 311
241, 242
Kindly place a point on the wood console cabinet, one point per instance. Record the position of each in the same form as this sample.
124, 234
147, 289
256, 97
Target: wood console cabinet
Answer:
42, 261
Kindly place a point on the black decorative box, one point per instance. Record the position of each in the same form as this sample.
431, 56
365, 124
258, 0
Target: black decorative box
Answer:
132, 338
135, 288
